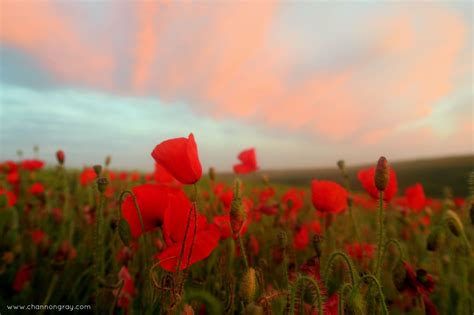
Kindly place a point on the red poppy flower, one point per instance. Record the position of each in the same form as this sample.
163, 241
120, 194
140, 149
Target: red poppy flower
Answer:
153, 201
11, 197
13, 178
293, 202
223, 222
366, 178
415, 282
174, 229
459, 202
112, 175
328, 197
248, 161
359, 251
301, 238
22, 276
38, 236
8, 167
127, 292
254, 245
60, 156
87, 176
266, 193
162, 176
36, 189
180, 158
123, 176
135, 177
415, 197
32, 165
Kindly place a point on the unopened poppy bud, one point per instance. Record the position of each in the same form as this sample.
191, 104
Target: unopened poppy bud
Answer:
102, 183
265, 179
454, 223
341, 164
317, 240
253, 309
237, 215
97, 169
60, 156
19, 153
399, 275
282, 239
108, 159
248, 286
212, 174
382, 174
435, 239
124, 232
356, 303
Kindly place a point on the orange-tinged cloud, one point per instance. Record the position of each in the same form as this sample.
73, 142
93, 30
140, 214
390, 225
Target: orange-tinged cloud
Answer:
42, 30
227, 61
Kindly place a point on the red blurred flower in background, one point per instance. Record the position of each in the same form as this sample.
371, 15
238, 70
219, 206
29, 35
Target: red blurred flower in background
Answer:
11, 197
22, 276
366, 178
32, 165
301, 237
248, 161
87, 176
328, 197
180, 158
126, 294
359, 251
36, 189
415, 197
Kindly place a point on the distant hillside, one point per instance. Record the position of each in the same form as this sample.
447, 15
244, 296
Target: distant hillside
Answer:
434, 174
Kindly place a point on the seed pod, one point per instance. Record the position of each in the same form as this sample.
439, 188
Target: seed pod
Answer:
97, 169
341, 164
212, 174
253, 309
60, 156
102, 184
454, 223
248, 286
435, 239
108, 159
399, 275
124, 232
382, 174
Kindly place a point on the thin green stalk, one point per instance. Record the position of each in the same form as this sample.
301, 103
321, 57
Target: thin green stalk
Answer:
379, 289
348, 261
52, 287
242, 251
380, 237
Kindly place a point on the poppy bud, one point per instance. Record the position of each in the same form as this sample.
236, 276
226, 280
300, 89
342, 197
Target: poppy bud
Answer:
212, 174
19, 153
97, 169
435, 239
108, 159
342, 165
282, 239
124, 232
454, 223
399, 275
356, 303
248, 286
60, 156
382, 174
265, 179
253, 309
317, 240
102, 184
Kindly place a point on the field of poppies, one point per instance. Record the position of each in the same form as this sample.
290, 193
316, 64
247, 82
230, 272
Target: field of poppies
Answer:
179, 241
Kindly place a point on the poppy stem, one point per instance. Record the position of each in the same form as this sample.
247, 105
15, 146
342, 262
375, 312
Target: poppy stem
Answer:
242, 251
380, 237
379, 289
299, 283
51, 288
397, 245
139, 213
348, 261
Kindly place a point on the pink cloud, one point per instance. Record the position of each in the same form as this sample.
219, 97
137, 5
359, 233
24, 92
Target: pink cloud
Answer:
225, 61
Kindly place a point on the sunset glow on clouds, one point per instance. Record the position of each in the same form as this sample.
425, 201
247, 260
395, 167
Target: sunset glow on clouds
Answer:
326, 80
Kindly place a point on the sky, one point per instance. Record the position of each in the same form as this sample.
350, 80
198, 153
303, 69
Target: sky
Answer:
305, 83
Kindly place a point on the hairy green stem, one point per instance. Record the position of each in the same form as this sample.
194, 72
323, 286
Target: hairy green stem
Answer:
52, 287
300, 281
348, 261
379, 289
242, 251
380, 237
